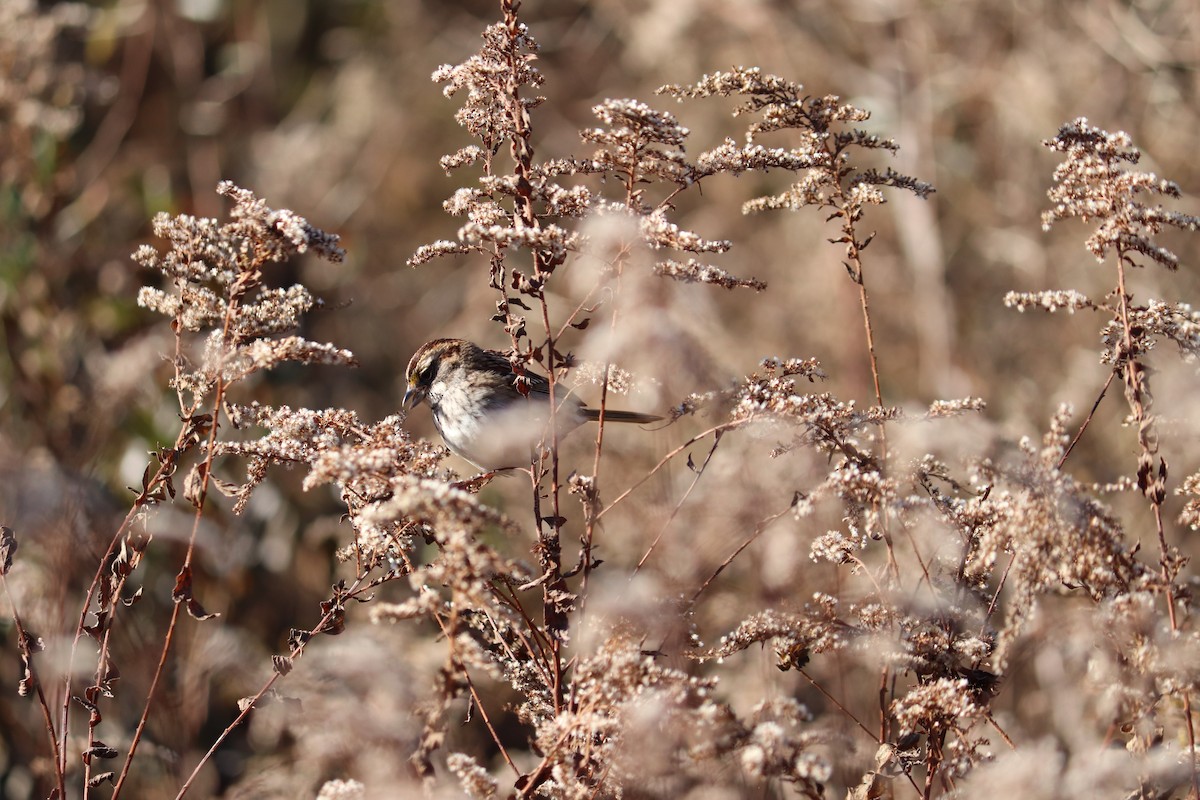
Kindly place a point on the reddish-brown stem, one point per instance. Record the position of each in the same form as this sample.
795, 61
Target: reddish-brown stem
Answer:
47, 715
1152, 491
849, 714
589, 527
699, 471
1088, 420
236, 291
466, 676
758, 531
165, 469
662, 462
141, 726
251, 703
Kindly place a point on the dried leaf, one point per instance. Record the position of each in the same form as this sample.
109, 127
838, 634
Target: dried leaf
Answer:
271, 697
28, 681
98, 750
8, 547
195, 486
94, 717
297, 638
99, 779
196, 610
183, 594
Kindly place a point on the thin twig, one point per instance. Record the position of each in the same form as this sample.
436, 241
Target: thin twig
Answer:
758, 531
724, 426
27, 654
849, 714
1088, 421
699, 471
250, 704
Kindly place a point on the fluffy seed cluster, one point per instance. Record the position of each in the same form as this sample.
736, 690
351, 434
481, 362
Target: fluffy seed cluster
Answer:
1094, 184
215, 272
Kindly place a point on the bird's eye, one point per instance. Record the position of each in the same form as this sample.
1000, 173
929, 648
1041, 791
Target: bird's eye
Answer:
427, 374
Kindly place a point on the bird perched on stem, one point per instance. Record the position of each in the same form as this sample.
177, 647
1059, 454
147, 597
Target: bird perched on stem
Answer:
481, 413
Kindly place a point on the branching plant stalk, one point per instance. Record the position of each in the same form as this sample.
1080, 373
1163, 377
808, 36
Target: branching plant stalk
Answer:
168, 463
1153, 486
252, 702
855, 267
549, 547
248, 277
854, 249
47, 716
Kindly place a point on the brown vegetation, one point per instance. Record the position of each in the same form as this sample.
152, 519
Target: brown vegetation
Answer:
852, 562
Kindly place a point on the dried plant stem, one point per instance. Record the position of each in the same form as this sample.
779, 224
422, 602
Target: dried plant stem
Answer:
1152, 486
549, 547
662, 462
47, 715
758, 531
198, 500
699, 471
1191, 732
539, 655
867, 327
854, 266
1133, 382
466, 676
996, 595
590, 521
1003, 735
252, 702
849, 714
150, 693
166, 469
541, 772
1112, 375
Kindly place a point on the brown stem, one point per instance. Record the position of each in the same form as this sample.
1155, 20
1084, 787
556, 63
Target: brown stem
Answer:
1111, 377
250, 704
699, 471
166, 468
141, 726
758, 531
47, 715
841, 707
716, 429
236, 291
1151, 485
466, 676
549, 537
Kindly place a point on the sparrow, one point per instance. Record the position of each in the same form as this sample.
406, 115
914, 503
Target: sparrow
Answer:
480, 413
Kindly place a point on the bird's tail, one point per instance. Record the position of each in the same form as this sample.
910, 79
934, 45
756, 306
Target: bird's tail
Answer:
610, 415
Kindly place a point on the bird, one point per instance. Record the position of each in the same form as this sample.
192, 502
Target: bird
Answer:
480, 413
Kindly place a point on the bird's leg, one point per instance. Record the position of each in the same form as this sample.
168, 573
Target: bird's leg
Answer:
473, 485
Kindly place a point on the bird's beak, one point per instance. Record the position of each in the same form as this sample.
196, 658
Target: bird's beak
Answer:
413, 398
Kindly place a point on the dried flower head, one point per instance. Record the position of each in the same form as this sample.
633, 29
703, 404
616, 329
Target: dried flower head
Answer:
1094, 184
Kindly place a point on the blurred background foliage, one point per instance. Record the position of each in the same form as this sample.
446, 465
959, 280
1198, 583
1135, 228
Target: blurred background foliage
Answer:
115, 111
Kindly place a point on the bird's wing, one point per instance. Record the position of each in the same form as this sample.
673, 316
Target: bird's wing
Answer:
499, 362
